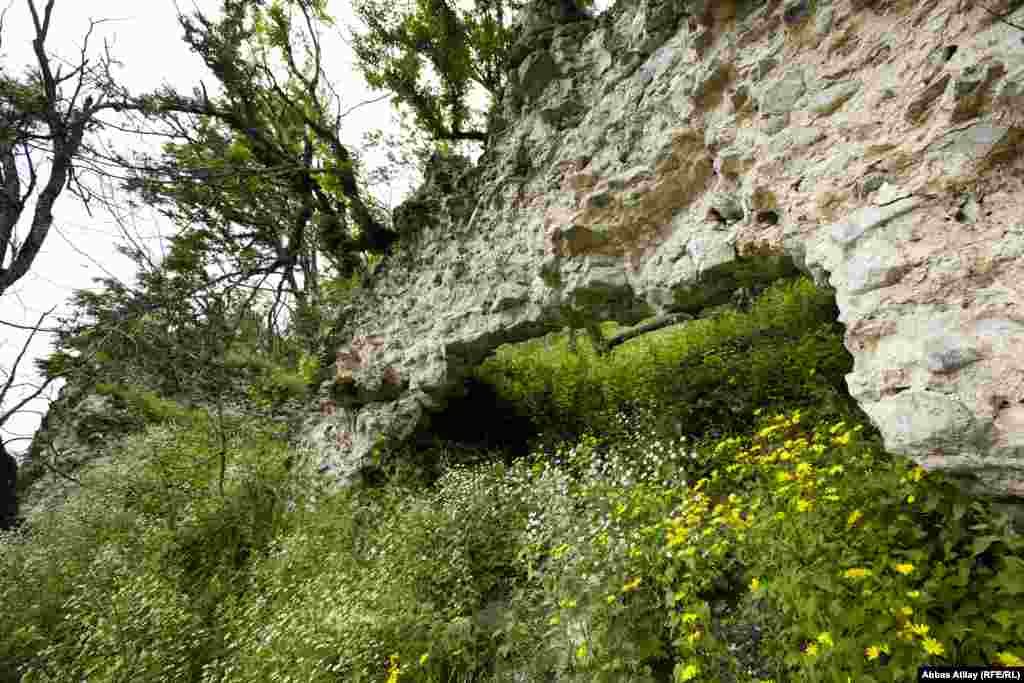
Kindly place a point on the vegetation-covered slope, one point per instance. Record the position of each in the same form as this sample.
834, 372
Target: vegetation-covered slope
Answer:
703, 504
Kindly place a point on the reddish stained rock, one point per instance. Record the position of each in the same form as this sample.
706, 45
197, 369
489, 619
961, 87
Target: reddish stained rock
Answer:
343, 439
894, 380
356, 357
328, 406
391, 376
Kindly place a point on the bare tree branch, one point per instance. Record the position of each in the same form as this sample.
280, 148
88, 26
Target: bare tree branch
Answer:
656, 324
5, 416
52, 466
26, 109
351, 109
48, 330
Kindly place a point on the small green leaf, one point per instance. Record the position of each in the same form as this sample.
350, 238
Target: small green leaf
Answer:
1011, 577
982, 543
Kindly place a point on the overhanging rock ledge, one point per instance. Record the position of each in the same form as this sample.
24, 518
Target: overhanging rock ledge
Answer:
648, 160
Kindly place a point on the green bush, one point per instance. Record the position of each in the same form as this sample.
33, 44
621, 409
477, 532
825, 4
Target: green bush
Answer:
146, 406
271, 383
703, 375
124, 582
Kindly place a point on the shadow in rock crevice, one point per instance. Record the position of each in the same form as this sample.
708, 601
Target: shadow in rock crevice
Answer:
478, 420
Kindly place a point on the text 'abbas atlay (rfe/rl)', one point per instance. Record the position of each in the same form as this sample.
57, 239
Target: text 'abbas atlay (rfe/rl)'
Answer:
970, 673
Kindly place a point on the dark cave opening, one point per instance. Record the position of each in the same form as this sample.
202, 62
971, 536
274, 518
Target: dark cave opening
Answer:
479, 420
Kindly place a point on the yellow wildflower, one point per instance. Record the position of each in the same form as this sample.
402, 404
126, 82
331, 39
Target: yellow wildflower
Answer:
854, 517
394, 671
804, 505
1009, 659
755, 584
876, 651
904, 568
631, 585
689, 672
933, 647
919, 629
811, 650
825, 638
857, 573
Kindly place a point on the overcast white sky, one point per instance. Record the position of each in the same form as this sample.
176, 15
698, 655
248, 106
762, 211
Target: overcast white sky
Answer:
146, 38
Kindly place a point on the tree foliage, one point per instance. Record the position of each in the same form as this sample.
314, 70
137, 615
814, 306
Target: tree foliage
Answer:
173, 333
258, 175
462, 47
169, 350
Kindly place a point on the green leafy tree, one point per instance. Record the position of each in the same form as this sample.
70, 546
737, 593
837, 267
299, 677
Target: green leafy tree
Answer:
432, 54
175, 347
258, 175
463, 48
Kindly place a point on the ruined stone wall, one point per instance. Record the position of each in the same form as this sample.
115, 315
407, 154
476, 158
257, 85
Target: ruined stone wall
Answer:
643, 161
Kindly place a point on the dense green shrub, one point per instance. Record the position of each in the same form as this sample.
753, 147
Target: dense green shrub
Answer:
707, 374
124, 582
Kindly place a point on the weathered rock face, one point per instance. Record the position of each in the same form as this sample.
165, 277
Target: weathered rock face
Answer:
79, 428
651, 159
